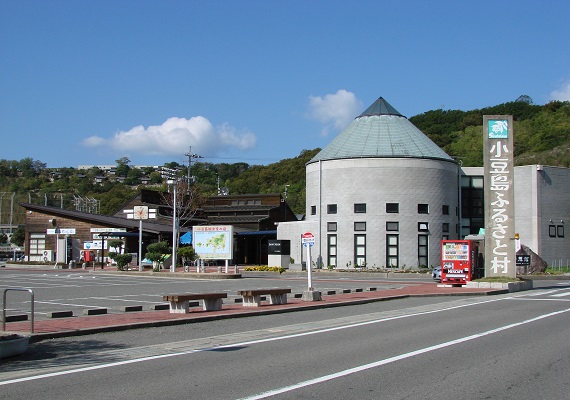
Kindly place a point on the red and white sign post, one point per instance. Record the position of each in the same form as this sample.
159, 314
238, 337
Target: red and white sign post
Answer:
308, 240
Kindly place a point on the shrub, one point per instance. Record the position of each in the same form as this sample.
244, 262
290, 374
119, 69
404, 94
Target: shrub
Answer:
266, 268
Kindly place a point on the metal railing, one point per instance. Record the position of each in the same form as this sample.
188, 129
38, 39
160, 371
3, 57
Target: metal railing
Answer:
4, 306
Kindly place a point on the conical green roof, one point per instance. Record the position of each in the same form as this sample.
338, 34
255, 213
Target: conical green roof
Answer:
381, 131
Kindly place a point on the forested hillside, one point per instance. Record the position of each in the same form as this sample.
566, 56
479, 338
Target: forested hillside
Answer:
542, 136
542, 133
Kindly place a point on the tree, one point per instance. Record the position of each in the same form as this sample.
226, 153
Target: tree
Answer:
18, 236
187, 253
122, 260
525, 99
3, 238
157, 253
123, 166
189, 199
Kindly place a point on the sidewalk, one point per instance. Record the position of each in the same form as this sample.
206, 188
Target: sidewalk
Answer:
83, 325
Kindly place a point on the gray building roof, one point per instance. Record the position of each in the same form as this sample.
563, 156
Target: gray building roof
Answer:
381, 131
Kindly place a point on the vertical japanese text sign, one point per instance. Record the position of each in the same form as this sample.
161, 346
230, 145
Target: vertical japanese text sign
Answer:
499, 195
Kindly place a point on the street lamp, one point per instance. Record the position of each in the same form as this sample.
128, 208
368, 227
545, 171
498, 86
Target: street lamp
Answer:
174, 230
53, 222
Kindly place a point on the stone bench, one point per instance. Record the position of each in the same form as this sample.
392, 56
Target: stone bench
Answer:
179, 302
252, 298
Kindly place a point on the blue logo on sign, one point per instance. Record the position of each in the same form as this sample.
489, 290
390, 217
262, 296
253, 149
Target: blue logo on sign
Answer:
498, 129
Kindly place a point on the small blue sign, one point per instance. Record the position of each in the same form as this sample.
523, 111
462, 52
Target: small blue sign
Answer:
498, 128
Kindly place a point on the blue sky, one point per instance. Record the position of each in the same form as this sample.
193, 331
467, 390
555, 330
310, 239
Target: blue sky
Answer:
89, 82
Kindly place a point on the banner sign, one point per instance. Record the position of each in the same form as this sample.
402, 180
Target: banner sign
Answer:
499, 195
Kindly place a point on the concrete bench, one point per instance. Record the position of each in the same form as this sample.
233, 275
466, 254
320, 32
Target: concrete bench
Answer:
252, 298
179, 302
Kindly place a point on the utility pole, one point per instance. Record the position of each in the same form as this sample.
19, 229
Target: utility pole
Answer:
191, 156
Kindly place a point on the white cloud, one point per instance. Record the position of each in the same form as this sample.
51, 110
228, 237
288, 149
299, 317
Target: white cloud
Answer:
335, 111
562, 94
175, 136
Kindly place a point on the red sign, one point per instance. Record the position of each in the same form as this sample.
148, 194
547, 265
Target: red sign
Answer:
308, 239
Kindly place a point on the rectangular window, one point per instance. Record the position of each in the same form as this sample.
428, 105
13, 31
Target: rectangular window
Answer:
445, 237
331, 208
552, 230
445, 227
423, 209
360, 226
392, 258
423, 226
392, 226
392, 208
37, 243
313, 210
331, 248
560, 231
445, 209
359, 250
331, 226
360, 208
422, 251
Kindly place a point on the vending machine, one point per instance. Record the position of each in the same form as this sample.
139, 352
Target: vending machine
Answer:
459, 261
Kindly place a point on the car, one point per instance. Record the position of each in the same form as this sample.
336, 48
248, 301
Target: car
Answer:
436, 274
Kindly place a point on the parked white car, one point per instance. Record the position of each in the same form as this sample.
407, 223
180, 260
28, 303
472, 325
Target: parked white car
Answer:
436, 274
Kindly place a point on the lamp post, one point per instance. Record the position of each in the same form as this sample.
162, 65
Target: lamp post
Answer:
174, 228
53, 223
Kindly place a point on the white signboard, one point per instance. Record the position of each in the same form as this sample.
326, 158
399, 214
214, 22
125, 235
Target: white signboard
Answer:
99, 230
61, 231
213, 242
95, 245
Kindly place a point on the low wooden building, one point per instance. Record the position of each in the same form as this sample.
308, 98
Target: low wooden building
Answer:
52, 230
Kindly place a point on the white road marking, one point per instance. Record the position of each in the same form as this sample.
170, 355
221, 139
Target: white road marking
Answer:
271, 339
564, 294
389, 360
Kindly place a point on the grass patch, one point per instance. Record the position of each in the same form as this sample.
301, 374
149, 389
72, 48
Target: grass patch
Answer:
557, 271
500, 279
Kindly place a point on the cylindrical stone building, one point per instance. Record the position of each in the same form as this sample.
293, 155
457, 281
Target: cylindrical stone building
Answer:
381, 194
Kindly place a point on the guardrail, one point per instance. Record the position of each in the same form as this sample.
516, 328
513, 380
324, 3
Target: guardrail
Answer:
4, 306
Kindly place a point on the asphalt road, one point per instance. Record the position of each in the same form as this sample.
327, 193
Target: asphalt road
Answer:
77, 290
500, 347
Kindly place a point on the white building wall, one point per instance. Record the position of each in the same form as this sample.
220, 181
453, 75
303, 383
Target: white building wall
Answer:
292, 231
375, 182
553, 209
527, 214
542, 194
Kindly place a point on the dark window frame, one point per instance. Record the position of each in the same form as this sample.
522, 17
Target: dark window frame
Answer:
392, 208
360, 208
392, 226
423, 208
360, 226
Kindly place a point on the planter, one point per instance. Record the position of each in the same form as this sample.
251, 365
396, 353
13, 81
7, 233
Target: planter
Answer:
13, 345
510, 286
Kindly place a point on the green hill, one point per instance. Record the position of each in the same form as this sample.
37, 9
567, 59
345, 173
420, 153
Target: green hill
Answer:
542, 136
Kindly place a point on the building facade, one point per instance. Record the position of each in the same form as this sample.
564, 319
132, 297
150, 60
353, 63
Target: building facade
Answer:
380, 195
383, 195
542, 208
